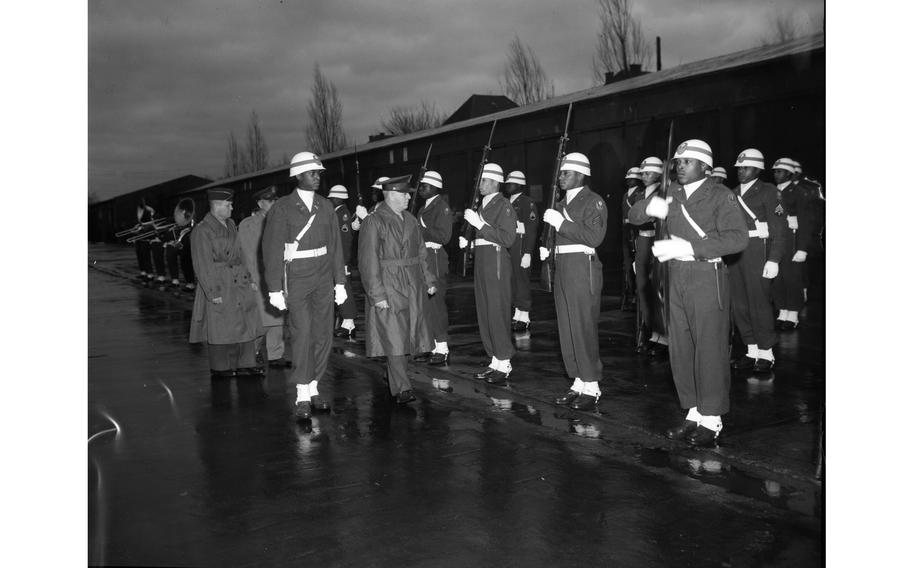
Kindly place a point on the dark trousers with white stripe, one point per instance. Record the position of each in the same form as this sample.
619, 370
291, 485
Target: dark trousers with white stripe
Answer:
435, 305
790, 281
750, 296
521, 277
493, 295
576, 293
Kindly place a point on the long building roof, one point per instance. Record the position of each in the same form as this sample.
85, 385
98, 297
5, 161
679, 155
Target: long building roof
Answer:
713, 65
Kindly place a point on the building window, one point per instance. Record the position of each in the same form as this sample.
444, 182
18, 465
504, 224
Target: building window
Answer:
391, 156
404, 154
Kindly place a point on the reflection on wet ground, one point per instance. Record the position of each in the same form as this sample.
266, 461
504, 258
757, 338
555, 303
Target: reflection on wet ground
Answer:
187, 471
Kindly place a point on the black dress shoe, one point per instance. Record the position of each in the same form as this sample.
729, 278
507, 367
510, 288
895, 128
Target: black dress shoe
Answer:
743, 363
682, 431
702, 437
303, 411
520, 325
584, 402
788, 326
484, 374
281, 363
345, 333
658, 351
497, 378
763, 366
439, 359
422, 357
779, 324
405, 397
227, 374
319, 403
567, 398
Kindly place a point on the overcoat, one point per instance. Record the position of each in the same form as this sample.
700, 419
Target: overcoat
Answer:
221, 272
392, 257
250, 234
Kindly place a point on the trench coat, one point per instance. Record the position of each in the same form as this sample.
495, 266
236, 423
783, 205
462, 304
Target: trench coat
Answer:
221, 272
392, 258
250, 235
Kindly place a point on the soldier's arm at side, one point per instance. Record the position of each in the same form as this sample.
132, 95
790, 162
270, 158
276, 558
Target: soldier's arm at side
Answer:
335, 249
368, 262
777, 225
805, 210
637, 215
438, 226
529, 243
732, 233
273, 247
590, 229
203, 263
428, 276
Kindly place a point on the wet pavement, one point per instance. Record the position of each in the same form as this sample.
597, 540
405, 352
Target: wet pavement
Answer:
186, 471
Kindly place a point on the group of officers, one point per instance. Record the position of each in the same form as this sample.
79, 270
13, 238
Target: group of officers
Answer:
292, 260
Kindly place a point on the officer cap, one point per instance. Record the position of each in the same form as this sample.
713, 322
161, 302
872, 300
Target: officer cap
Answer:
379, 181
220, 194
269, 194
401, 184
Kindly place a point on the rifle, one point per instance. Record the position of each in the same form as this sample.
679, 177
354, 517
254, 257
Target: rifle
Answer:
548, 237
661, 272
357, 176
423, 170
467, 229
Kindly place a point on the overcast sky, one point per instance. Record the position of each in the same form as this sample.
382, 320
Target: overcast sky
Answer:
167, 80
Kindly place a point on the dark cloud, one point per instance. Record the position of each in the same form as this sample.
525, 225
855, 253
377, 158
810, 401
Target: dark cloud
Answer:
169, 79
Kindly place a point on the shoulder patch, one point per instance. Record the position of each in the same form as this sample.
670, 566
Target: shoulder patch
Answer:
344, 217
599, 204
344, 228
446, 211
509, 211
731, 198
532, 216
779, 210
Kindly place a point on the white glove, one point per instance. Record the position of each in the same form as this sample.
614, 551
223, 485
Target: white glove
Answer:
544, 253
422, 224
634, 270
519, 228
673, 247
525, 260
347, 271
770, 270
473, 218
553, 217
792, 222
800, 256
361, 212
657, 207
431, 290
355, 224
762, 229
277, 300
462, 242
340, 294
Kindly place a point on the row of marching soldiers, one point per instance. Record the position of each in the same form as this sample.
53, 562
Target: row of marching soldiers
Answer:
291, 261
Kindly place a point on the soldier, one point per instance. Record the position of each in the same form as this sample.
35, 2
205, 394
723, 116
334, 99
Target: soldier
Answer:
719, 176
633, 185
646, 278
435, 222
753, 269
797, 204
704, 224
304, 265
225, 314
144, 216
376, 196
393, 265
496, 226
251, 242
338, 195
580, 222
176, 247
521, 249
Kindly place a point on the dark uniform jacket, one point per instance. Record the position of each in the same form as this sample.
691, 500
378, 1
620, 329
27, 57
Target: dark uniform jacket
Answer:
761, 199
347, 233
639, 195
587, 216
392, 257
285, 220
222, 273
715, 210
797, 200
435, 222
499, 221
526, 212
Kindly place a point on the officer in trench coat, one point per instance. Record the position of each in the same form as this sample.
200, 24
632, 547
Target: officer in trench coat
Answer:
392, 258
225, 312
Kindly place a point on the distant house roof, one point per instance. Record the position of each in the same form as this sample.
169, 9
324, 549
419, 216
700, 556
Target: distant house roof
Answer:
170, 187
479, 105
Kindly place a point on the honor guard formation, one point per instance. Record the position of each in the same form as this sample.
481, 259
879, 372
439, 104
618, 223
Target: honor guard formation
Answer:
700, 261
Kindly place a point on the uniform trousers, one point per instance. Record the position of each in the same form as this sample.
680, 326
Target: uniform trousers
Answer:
144, 256
521, 277
158, 258
274, 341
348, 309
172, 259
435, 305
397, 367
186, 264
788, 286
310, 318
576, 293
646, 285
493, 294
227, 356
699, 328
750, 295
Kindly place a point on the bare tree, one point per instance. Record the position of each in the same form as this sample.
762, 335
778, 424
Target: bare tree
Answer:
402, 119
787, 25
620, 41
324, 131
256, 153
523, 79
233, 158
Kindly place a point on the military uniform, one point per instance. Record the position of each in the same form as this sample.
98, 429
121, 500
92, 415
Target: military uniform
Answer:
435, 222
647, 272
492, 275
348, 309
230, 327
318, 264
798, 208
750, 291
392, 258
250, 231
525, 243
